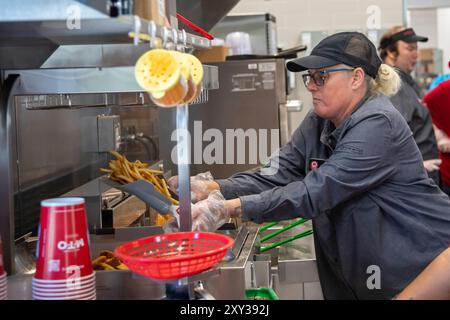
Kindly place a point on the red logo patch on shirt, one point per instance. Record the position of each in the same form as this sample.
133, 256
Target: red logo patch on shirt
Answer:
314, 164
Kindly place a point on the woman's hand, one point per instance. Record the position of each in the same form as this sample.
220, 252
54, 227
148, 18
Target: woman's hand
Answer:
210, 214
444, 145
201, 185
432, 165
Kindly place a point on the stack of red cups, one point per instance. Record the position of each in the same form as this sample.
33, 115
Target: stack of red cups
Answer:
63, 265
3, 286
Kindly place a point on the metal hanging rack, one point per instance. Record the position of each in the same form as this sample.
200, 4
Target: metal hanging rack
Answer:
182, 116
148, 31
178, 40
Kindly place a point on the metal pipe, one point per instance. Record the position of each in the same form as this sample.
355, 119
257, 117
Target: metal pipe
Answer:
183, 157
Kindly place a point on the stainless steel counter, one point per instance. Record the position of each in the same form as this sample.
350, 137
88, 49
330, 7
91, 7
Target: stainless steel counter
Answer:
228, 281
291, 270
294, 265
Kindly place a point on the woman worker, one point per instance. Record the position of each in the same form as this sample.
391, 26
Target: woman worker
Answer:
352, 167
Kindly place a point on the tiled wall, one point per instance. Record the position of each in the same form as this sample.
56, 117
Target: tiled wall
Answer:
424, 22
433, 23
443, 37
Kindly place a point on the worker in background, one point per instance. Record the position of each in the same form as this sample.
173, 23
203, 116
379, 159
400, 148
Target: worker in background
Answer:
398, 48
438, 103
353, 167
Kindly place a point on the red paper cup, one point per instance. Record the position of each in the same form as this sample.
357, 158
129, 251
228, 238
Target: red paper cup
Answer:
72, 281
85, 291
63, 248
67, 292
88, 296
37, 287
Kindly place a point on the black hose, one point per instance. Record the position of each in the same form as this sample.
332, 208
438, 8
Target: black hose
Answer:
147, 149
152, 142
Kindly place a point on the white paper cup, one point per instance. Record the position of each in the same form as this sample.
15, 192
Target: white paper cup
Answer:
63, 291
73, 289
65, 294
70, 285
76, 297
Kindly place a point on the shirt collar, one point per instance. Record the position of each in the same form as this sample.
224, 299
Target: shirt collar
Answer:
330, 135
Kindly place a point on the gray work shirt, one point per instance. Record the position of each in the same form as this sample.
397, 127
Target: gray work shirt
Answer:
407, 101
371, 201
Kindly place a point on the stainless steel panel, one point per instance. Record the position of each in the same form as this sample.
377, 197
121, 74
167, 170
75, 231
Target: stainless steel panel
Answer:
92, 193
9, 86
28, 10
205, 13
91, 80
294, 264
240, 103
261, 28
234, 276
45, 151
312, 291
290, 291
297, 271
284, 124
108, 133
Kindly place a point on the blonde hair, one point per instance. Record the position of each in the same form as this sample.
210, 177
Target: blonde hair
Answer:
387, 81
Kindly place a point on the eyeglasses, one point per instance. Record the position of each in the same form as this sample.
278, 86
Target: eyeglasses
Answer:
319, 77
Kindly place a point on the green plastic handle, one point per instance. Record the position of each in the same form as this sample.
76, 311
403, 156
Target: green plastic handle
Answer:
289, 226
279, 243
267, 226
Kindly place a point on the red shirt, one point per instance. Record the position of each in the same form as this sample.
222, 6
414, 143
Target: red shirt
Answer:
438, 102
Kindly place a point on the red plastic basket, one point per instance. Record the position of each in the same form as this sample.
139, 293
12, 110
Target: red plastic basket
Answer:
174, 255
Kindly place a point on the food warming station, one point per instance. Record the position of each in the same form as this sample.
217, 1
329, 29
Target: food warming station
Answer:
67, 97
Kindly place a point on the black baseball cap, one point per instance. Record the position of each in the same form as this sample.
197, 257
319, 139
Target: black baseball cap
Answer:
351, 48
407, 35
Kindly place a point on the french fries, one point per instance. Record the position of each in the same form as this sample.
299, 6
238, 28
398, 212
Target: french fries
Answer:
123, 171
108, 261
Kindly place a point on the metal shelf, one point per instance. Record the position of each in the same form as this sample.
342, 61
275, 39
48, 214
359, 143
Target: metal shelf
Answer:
69, 88
148, 30
91, 31
33, 44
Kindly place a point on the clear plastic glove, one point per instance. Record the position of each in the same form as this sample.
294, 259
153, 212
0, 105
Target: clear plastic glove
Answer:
432, 165
173, 224
210, 214
199, 185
